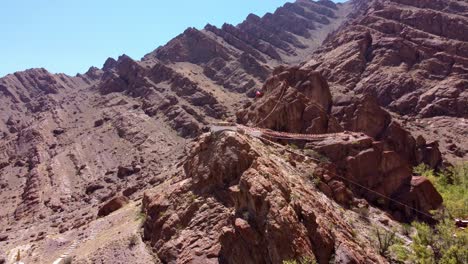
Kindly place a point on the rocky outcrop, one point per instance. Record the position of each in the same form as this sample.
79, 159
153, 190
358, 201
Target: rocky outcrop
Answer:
372, 170
125, 171
296, 100
235, 204
192, 46
365, 115
378, 162
112, 205
34, 90
32, 198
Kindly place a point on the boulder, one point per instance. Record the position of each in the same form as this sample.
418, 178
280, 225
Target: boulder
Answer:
364, 116
429, 154
112, 205
361, 161
58, 131
125, 171
344, 255
421, 195
425, 194
98, 122
130, 190
92, 188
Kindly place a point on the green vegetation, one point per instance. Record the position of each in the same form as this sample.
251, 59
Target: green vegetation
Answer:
399, 253
316, 182
293, 146
141, 216
192, 197
303, 260
315, 155
295, 196
452, 184
385, 239
265, 174
443, 243
162, 214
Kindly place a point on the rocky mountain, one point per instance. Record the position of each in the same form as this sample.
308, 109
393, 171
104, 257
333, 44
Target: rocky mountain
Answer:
242, 200
383, 80
412, 56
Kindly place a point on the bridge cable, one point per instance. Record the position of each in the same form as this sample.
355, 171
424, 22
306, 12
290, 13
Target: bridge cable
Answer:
357, 184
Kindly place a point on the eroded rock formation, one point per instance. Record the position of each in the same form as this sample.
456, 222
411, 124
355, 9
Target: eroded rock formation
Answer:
236, 202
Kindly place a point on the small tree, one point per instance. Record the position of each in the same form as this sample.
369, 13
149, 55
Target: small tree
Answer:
385, 240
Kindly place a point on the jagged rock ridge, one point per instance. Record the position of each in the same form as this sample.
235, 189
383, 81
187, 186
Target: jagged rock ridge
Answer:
410, 55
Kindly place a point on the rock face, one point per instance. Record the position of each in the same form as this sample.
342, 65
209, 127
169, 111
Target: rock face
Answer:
410, 55
365, 115
297, 101
235, 203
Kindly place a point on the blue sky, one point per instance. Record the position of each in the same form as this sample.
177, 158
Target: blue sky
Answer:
71, 35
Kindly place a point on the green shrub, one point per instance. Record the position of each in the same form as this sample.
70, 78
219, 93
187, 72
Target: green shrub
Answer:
363, 212
399, 253
444, 243
316, 182
295, 196
452, 184
303, 260
141, 216
385, 239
